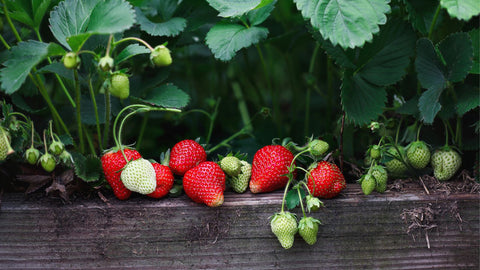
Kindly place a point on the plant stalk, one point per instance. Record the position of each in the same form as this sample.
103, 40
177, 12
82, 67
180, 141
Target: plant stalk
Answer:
78, 111
97, 119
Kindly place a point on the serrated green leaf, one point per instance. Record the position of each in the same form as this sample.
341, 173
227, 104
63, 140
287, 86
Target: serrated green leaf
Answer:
59, 69
167, 96
384, 61
229, 8
292, 199
226, 39
457, 52
170, 28
261, 12
410, 107
475, 37
343, 58
130, 51
461, 9
428, 66
24, 56
66, 139
347, 23
72, 22
429, 104
29, 12
361, 100
89, 168
468, 99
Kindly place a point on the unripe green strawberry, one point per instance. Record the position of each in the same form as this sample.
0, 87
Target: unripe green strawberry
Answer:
381, 178
375, 152
160, 56
308, 229
230, 165
66, 158
395, 167
139, 176
240, 182
48, 162
284, 226
445, 163
56, 148
313, 203
71, 60
418, 154
318, 147
120, 85
5, 147
368, 184
105, 63
32, 155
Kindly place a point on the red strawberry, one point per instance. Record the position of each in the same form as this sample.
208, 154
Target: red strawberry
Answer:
205, 184
185, 155
164, 180
270, 168
326, 180
112, 164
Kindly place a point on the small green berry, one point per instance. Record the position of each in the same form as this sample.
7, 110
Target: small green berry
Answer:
56, 148
231, 165
318, 147
32, 155
48, 162
71, 60
160, 56
105, 63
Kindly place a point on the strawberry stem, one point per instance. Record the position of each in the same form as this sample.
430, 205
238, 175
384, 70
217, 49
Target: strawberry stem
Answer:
136, 39
301, 202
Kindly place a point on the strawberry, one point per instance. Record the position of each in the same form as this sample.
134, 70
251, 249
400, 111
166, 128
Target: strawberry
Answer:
445, 163
105, 63
139, 176
284, 226
164, 178
231, 165
318, 147
270, 168
48, 162
112, 164
240, 182
308, 229
418, 154
325, 180
185, 155
368, 184
32, 155
160, 56
375, 152
205, 183
381, 177
71, 60
120, 85
395, 167
56, 148
313, 203
5, 147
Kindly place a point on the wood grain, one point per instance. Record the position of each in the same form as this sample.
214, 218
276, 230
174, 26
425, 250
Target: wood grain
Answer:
358, 232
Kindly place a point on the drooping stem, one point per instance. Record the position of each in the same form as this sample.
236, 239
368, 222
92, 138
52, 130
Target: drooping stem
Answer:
301, 202
97, 119
135, 39
78, 111
143, 126
418, 131
434, 21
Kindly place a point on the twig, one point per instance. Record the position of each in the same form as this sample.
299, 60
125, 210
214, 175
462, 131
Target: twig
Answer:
424, 187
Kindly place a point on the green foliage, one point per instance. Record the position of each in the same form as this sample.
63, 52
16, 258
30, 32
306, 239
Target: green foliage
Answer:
30, 13
461, 9
167, 96
88, 168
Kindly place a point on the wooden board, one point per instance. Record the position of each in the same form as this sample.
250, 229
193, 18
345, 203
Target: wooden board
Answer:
358, 232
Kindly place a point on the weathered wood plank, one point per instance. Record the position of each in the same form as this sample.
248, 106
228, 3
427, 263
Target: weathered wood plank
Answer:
358, 232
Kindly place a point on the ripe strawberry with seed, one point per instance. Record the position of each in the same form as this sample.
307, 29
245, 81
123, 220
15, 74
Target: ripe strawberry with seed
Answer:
205, 183
164, 178
418, 154
112, 164
445, 163
270, 168
185, 155
326, 180
284, 226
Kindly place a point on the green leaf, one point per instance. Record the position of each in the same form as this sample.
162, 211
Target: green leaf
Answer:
59, 69
347, 23
361, 100
343, 58
130, 51
468, 99
23, 58
226, 39
428, 66
167, 96
457, 52
421, 13
475, 37
261, 12
461, 9
89, 168
88, 110
292, 199
410, 107
28, 12
384, 61
228, 8
171, 27
72, 22
429, 104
